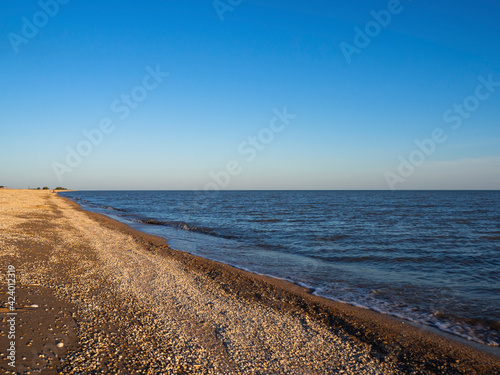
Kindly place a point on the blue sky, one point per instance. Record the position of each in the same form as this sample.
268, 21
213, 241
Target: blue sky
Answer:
353, 118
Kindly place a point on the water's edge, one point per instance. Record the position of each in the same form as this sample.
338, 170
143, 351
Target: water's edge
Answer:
148, 226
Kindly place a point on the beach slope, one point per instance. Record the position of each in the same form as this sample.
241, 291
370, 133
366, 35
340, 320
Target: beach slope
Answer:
95, 296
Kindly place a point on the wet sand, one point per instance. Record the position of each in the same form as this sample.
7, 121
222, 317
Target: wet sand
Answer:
95, 296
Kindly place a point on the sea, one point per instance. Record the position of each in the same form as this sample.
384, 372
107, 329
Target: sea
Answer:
429, 257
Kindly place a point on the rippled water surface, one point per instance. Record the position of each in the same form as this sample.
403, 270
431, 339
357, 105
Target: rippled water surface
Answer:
427, 256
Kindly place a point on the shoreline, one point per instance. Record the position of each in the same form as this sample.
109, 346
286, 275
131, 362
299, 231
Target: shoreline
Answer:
493, 350
385, 320
395, 345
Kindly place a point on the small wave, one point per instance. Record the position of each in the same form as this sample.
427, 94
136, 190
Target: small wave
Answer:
266, 220
152, 222
484, 331
385, 259
297, 220
332, 238
179, 225
113, 209
79, 199
494, 325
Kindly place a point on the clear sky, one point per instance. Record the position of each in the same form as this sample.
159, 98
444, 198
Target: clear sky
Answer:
250, 94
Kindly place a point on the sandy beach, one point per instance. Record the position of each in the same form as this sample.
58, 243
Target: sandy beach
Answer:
95, 296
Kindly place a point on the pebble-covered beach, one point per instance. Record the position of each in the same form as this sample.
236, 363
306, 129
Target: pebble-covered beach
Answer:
94, 296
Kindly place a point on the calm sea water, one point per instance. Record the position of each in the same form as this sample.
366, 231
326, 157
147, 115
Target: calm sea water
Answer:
431, 257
